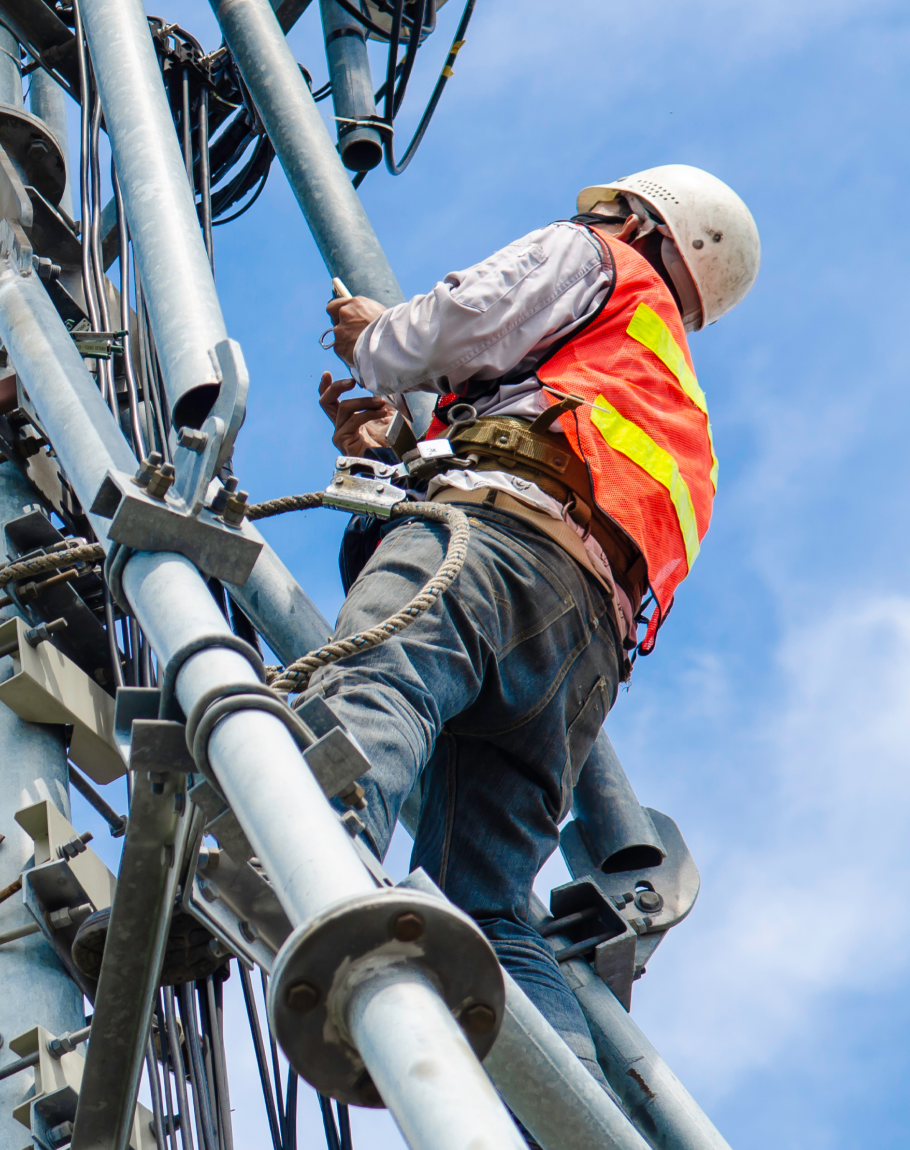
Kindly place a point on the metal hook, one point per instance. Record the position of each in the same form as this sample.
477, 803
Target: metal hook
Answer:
322, 343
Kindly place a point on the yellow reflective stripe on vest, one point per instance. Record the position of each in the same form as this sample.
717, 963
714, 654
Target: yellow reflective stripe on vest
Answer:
629, 440
648, 329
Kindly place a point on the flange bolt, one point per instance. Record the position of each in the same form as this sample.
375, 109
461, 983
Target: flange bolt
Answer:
478, 1019
408, 927
302, 997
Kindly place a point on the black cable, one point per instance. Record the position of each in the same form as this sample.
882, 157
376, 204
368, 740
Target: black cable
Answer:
328, 1121
290, 1114
205, 181
256, 1031
344, 1126
273, 1046
246, 207
198, 1076
445, 75
176, 1058
409, 58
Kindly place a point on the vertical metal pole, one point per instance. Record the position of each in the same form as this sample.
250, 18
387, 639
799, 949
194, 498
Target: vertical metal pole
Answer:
352, 88
36, 990
173, 263
10, 77
47, 101
332, 208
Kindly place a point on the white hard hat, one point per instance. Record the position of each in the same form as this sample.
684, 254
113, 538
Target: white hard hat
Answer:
711, 226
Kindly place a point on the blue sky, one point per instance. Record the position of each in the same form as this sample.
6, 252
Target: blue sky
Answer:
772, 721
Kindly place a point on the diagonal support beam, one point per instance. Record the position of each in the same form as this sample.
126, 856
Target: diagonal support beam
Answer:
133, 954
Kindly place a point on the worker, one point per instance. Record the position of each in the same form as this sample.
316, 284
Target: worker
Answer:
586, 464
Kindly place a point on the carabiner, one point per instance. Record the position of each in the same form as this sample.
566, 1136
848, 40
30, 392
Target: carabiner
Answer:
322, 343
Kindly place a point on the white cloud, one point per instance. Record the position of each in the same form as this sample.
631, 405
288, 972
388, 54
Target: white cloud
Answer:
787, 920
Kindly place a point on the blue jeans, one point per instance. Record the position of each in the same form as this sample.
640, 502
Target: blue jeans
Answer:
494, 697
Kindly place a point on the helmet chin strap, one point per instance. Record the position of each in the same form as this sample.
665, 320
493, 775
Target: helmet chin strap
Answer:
690, 303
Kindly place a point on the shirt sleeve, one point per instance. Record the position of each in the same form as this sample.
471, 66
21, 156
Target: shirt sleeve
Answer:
488, 320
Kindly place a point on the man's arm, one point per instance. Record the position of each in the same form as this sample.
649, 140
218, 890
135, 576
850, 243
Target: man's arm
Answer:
482, 322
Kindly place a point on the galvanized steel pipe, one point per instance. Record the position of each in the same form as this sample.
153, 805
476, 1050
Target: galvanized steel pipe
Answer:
332, 208
176, 277
429, 1078
546, 1086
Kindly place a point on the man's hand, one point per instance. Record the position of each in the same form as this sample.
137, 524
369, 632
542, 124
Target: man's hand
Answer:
361, 422
350, 317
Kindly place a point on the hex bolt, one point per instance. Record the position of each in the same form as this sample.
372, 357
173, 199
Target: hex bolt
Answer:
408, 927
57, 1135
147, 468
160, 482
217, 948
192, 439
36, 150
649, 900
220, 501
302, 997
352, 823
478, 1019
248, 929
235, 509
43, 632
207, 893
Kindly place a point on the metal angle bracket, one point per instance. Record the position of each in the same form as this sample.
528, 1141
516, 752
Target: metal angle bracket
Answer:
56, 1094
65, 885
47, 687
143, 523
198, 460
373, 493
650, 899
150, 865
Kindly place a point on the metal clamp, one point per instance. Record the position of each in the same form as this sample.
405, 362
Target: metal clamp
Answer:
169, 707
217, 704
144, 522
373, 494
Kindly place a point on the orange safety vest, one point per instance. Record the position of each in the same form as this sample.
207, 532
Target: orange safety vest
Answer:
643, 430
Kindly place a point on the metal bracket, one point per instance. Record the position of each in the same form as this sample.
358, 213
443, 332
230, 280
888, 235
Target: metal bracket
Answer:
236, 902
47, 687
58, 1081
198, 461
650, 899
373, 494
144, 523
78, 883
133, 954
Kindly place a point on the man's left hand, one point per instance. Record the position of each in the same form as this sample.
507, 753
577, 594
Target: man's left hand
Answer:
360, 422
350, 317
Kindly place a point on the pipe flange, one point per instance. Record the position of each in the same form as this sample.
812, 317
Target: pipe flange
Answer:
325, 959
29, 142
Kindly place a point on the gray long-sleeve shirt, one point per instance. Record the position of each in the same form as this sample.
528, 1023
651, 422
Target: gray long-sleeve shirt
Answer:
499, 316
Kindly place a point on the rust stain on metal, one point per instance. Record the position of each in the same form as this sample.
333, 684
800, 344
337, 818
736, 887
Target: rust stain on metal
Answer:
636, 1077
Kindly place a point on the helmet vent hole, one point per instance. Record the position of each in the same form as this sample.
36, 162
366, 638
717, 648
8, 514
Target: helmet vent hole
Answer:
658, 190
